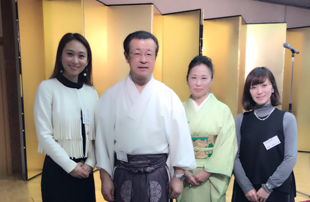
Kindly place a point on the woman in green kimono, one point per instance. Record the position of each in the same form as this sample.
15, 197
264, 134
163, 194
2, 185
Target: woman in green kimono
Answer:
212, 129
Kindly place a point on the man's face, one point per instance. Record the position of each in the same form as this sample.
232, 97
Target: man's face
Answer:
141, 58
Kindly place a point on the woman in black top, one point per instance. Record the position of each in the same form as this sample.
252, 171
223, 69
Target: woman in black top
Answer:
267, 140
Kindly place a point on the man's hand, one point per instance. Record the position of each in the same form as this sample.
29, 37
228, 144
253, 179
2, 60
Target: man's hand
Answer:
78, 171
175, 188
176, 185
107, 186
262, 195
252, 195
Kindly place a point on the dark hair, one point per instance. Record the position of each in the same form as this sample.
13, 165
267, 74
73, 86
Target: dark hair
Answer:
200, 59
139, 35
259, 76
58, 65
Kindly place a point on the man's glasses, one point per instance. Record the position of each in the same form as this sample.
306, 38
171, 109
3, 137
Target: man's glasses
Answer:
147, 55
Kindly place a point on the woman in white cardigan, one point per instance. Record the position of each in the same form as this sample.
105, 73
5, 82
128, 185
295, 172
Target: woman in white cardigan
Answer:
64, 119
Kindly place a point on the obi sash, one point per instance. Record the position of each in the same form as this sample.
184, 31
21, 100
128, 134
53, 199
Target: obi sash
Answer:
142, 163
203, 146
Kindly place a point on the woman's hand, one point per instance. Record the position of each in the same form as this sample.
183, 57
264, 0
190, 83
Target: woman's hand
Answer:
252, 195
78, 171
202, 176
262, 195
190, 178
87, 168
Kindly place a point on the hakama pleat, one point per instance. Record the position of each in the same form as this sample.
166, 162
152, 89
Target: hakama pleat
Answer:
143, 178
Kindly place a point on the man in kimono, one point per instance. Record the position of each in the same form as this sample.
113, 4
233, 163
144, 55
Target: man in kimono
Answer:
143, 142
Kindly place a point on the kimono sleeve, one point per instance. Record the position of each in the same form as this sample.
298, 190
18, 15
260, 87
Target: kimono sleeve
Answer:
104, 144
225, 148
91, 157
181, 151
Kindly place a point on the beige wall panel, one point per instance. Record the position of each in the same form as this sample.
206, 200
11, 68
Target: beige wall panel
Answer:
265, 48
221, 42
300, 40
123, 20
158, 32
59, 18
180, 45
33, 72
95, 15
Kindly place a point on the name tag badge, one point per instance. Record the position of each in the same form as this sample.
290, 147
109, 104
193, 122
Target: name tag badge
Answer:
272, 142
85, 113
122, 156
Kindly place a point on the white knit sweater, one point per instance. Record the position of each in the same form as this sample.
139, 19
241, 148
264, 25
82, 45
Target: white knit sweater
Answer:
57, 114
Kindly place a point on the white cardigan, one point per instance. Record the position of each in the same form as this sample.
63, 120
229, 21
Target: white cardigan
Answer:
57, 114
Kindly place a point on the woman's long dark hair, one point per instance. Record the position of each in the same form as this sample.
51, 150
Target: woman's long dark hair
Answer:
58, 65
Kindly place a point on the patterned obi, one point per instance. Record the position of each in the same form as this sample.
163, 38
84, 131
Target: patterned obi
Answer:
146, 163
203, 146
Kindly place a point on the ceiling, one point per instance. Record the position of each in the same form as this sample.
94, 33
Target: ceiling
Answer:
297, 3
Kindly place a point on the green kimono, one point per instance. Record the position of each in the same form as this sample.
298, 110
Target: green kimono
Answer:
213, 134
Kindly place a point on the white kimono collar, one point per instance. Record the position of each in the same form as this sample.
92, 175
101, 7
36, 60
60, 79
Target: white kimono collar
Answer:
198, 107
139, 100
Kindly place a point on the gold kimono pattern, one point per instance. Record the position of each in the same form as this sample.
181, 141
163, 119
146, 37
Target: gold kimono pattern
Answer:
203, 146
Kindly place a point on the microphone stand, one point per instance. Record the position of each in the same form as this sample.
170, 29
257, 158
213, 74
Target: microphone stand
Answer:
290, 104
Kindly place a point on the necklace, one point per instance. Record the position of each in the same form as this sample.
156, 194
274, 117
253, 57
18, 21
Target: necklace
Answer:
265, 117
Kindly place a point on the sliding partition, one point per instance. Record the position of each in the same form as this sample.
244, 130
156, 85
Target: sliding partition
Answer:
265, 48
33, 71
224, 42
59, 18
96, 31
235, 49
158, 32
180, 45
123, 20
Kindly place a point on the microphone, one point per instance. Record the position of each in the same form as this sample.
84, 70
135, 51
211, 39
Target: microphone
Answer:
286, 45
